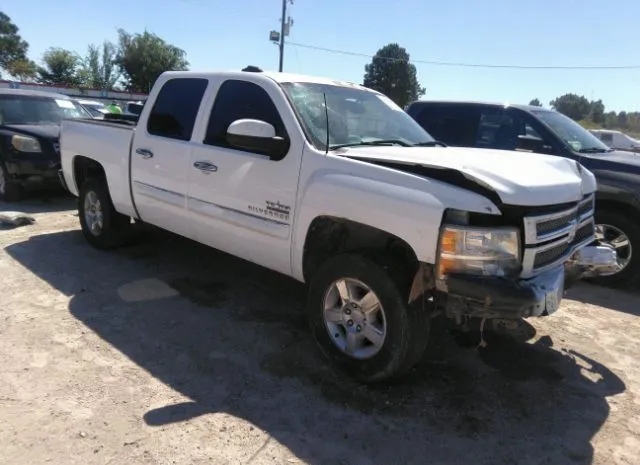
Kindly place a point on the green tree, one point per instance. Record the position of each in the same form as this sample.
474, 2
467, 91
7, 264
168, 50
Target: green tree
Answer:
623, 121
12, 46
391, 73
610, 119
143, 57
100, 68
23, 70
535, 102
60, 67
574, 106
597, 111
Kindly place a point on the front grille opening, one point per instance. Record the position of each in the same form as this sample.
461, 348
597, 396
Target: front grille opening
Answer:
555, 253
583, 233
555, 224
585, 207
550, 255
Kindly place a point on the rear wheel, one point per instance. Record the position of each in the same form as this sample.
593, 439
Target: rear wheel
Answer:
361, 320
102, 225
623, 234
10, 191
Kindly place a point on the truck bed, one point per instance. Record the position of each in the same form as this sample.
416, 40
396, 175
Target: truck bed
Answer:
119, 123
107, 143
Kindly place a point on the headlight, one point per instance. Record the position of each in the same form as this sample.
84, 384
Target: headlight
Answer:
481, 251
26, 144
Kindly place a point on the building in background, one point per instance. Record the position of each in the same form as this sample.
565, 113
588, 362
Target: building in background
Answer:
122, 97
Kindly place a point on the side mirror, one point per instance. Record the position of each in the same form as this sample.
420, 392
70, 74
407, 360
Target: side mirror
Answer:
257, 136
533, 144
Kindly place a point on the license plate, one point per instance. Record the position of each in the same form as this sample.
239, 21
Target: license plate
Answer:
553, 298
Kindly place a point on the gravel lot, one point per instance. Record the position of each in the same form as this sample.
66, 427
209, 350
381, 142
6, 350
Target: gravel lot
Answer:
169, 352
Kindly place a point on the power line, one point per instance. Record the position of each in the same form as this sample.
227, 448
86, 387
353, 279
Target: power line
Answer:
466, 65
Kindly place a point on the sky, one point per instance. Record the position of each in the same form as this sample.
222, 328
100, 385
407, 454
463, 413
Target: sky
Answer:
227, 34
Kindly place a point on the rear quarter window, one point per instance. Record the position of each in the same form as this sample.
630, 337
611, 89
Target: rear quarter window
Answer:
175, 109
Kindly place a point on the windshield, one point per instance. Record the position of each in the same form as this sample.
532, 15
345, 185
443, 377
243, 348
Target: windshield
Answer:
577, 137
356, 116
94, 110
91, 105
22, 109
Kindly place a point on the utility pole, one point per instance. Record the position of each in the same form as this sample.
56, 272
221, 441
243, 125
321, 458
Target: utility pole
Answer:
282, 31
277, 38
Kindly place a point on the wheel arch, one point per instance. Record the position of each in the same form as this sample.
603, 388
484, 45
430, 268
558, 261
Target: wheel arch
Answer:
85, 168
329, 236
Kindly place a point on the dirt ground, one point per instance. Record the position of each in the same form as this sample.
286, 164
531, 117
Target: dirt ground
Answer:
169, 352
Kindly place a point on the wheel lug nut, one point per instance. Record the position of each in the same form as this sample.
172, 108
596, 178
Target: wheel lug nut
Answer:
350, 322
358, 328
347, 311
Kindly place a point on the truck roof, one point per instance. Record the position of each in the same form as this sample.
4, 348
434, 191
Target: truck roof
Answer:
528, 108
272, 75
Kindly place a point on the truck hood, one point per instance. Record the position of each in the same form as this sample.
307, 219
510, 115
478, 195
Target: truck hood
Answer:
518, 178
49, 132
618, 157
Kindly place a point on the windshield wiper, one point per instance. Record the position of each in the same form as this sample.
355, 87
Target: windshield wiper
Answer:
595, 150
431, 143
372, 142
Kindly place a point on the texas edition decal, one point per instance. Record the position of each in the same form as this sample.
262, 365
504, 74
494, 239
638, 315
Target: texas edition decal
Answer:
273, 210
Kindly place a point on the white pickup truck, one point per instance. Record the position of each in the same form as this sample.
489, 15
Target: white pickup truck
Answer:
334, 185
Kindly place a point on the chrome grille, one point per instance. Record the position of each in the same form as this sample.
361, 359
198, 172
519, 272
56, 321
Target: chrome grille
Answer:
551, 238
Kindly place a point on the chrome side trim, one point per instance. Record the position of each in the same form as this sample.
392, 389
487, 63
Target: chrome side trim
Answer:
159, 193
239, 218
240, 212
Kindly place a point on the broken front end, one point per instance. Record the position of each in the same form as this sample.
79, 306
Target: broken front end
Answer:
515, 265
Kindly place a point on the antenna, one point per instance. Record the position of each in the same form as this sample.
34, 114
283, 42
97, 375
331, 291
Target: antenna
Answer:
326, 114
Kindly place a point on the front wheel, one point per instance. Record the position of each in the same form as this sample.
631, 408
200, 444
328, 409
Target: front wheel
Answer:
102, 225
361, 320
623, 234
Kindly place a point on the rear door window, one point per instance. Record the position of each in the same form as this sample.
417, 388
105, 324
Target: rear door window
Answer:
174, 112
455, 125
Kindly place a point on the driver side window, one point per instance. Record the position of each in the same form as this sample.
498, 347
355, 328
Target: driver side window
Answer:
507, 129
240, 100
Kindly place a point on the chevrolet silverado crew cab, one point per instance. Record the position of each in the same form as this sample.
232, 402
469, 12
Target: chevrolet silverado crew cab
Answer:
336, 186
535, 129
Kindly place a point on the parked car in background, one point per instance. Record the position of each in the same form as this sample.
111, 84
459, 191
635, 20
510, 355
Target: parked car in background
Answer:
334, 185
29, 139
617, 140
96, 109
534, 129
133, 108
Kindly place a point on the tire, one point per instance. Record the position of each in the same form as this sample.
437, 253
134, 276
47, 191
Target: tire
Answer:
10, 191
631, 229
407, 329
116, 228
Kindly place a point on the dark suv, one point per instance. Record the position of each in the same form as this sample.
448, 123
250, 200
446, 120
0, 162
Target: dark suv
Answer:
536, 129
29, 139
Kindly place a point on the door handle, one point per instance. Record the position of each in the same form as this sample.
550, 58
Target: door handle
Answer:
205, 166
146, 153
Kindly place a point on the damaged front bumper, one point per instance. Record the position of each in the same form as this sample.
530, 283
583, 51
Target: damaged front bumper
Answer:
476, 296
32, 171
496, 297
592, 261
